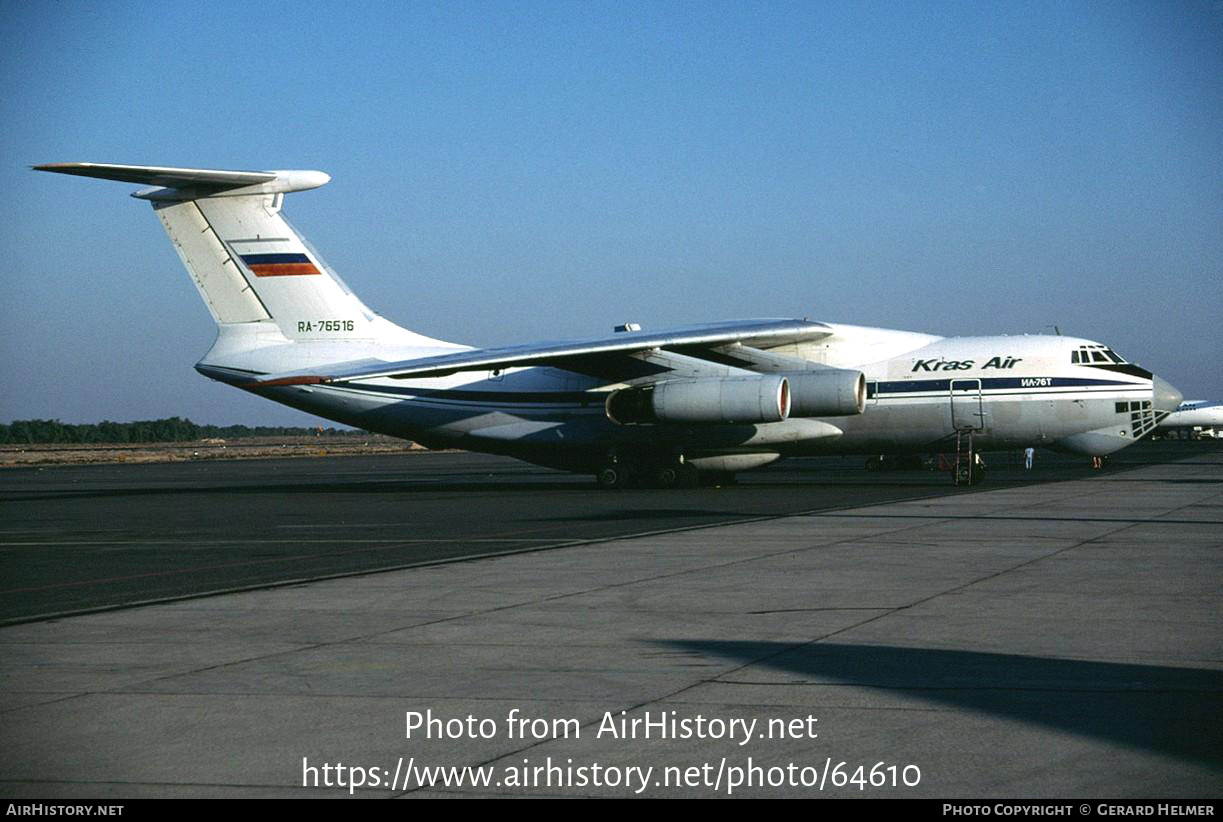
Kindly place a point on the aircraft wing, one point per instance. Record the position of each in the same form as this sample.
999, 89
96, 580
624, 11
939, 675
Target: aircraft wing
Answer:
569, 354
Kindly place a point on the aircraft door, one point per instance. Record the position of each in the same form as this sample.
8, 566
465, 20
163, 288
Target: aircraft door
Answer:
966, 411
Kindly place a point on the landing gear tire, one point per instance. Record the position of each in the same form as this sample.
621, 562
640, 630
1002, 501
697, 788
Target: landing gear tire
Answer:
667, 476
612, 476
678, 475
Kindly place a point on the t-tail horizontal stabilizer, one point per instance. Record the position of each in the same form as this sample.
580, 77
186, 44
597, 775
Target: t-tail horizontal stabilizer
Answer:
192, 183
250, 265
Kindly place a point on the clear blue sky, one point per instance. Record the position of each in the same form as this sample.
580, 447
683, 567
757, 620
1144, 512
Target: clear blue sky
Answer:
513, 171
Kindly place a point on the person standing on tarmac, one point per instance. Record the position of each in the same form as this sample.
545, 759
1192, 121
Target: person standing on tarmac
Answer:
1028, 454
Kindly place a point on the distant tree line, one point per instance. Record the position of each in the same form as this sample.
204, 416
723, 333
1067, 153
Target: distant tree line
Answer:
172, 429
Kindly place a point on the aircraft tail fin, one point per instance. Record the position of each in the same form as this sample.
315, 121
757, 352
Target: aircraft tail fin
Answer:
249, 264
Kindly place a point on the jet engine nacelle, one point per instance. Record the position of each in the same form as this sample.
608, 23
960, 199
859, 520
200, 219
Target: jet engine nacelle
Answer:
764, 398
834, 392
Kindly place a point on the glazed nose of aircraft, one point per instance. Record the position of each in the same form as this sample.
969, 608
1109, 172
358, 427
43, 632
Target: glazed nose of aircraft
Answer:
1166, 398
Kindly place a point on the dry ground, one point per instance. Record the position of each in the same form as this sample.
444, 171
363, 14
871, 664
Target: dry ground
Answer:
208, 449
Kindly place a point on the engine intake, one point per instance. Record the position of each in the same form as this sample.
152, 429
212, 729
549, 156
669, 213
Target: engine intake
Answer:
764, 398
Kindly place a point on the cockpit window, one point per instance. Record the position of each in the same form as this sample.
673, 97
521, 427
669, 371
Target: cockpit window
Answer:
1087, 354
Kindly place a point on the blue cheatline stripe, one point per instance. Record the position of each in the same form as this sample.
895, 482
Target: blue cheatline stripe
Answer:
996, 383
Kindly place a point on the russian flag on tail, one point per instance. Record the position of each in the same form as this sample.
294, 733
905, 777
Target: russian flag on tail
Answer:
279, 265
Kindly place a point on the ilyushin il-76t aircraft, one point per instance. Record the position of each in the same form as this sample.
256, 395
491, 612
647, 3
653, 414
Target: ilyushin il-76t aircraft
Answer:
659, 408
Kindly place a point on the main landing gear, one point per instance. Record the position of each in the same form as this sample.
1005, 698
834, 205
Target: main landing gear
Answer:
619, 473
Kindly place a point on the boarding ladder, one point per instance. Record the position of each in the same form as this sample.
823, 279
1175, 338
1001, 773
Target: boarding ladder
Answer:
965, 470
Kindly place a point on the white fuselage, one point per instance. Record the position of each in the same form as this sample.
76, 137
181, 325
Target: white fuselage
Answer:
1011, 391
716, 397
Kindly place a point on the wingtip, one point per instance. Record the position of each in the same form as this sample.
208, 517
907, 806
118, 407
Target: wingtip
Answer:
66, 166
